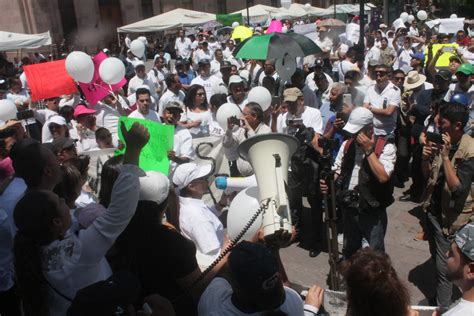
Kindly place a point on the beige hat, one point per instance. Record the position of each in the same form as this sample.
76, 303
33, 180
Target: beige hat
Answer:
413, 80
291, 94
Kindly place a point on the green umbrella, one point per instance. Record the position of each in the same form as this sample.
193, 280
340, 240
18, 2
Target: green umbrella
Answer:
276, 45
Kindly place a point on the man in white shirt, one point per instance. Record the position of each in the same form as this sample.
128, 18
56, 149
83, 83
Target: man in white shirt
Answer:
143, 110
268, 71
217, 62
403, 60
299, 115
203, 53
237, 91
318, 69
298, 81
199, 222
183, 150
346, 63
460, 270
108, 113
141, 79
383, 100
183, 45
157, 75
253, 288
205, 78
173, 92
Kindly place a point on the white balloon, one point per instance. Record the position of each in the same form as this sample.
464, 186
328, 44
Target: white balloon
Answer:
453, 16
225, 111
243, 207
285, 67
422, 15
112, 70
261, 96
411, 18
307, 5
235, 24
404, 16
138, 48
80, 66
7, 110
142, 39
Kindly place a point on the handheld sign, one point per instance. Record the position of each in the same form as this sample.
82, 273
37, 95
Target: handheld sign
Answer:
154, 156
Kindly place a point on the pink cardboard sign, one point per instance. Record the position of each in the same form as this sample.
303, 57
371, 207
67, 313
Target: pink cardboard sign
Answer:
96, 90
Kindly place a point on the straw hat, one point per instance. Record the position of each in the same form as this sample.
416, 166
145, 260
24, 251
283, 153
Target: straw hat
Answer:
413, 80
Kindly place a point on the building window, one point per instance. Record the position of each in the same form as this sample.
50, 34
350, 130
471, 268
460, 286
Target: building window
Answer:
147, 8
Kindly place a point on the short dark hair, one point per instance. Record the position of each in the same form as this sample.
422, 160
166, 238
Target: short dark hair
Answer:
218, 99
387, 68
141, 91
398, 71
454, 113
256, 110
169, 79
102, 133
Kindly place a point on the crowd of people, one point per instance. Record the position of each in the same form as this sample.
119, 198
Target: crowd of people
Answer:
84, 232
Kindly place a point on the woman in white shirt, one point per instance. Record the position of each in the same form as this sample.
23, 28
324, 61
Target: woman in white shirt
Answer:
52, 265
197, 115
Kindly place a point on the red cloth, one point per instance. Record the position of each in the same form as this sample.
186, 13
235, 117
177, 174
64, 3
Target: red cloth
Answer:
464, 42
49, 80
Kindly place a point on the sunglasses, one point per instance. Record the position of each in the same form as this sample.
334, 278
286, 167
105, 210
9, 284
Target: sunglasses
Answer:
380, 73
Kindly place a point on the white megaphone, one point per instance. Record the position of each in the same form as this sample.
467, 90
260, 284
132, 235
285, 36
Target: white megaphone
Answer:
235, 183
269, 155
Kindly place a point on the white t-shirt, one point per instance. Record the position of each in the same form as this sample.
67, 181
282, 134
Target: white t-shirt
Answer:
183, 47
384, 125
199, 224
152, 115
202, 54
182, 145
463, 308
311, 118
137, 82
167, 97
107, 117
403, 60
312, 85
208, 83
343, 67
204, 117
217, 301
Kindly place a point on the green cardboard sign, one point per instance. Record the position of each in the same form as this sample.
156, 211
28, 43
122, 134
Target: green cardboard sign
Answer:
154, 156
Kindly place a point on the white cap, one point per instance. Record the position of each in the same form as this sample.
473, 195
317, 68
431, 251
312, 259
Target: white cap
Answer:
220, 89
139, 63
187, 172
382, 25
235, 79
344, 48
57, 119
359, 118
154, 187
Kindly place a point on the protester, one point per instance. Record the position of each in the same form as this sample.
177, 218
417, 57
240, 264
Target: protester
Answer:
197, 115
144, 110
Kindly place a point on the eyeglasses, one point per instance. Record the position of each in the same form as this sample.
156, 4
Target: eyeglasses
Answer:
380, 73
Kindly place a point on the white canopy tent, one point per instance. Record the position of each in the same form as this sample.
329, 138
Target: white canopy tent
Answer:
258, 13
14, 41
170, 20
297, 10
349, 8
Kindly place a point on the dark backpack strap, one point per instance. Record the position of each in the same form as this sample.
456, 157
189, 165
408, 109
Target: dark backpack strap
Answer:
379, 145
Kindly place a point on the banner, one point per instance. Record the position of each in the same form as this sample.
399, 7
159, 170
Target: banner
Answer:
96, 90
228, 19
154, 156
443, 60
49, 80
451, 26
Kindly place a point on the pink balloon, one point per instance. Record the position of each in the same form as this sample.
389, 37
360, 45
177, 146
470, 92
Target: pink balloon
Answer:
275, 27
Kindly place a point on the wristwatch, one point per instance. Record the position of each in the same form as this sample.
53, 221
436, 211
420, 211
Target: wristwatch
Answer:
369, 152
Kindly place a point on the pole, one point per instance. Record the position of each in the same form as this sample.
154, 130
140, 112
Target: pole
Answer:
334, 8
362, 24
248, 14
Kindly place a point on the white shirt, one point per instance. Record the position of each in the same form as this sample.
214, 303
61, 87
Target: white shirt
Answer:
43, 115
201, 54
463, 308
159, 77
216, 68
387, 159
208, 83
152, 115
107, 116
137, 82
312, 85
183, 47
311, 118
403, 60
167, 97
199, 224
343, 67
204, 117
217, 301
454, 88
241, 105
86, 141
78, 260
263, 75
182, 145
384, 125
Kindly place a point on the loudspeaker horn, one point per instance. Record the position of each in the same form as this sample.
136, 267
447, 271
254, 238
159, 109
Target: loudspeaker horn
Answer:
269, 155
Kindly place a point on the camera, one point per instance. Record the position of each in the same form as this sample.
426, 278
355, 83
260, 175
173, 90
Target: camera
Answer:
349, 198
296, 121
234, 120
25, 115
435, 138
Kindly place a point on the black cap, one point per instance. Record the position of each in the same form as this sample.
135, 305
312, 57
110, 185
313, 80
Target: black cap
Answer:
204, 62
318, 63
254, 269
61, 143
106, 297
444, 74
